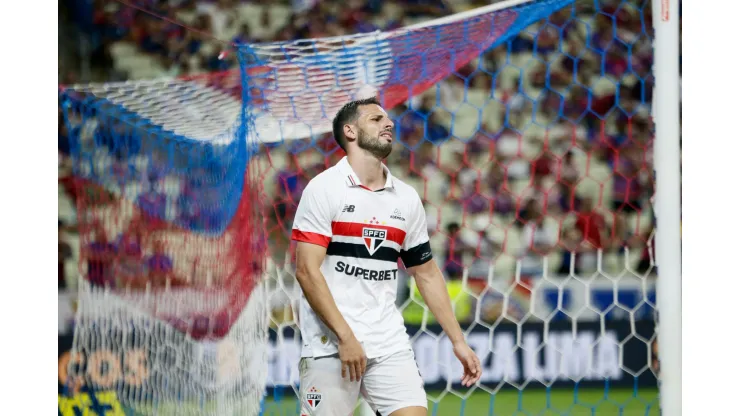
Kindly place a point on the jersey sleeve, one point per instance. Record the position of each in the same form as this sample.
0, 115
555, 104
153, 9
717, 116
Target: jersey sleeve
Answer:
312, 223
416, 249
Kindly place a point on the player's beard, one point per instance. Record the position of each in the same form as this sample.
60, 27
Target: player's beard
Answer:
374, 145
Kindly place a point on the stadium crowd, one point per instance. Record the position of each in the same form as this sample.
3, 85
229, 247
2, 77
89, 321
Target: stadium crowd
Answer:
540, 149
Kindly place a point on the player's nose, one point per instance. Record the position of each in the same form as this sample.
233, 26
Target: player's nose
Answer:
388, 125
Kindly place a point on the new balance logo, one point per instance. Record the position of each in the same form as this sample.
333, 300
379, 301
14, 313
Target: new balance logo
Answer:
348, 208
397, 215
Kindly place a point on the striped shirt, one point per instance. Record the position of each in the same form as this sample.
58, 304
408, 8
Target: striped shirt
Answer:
365, 234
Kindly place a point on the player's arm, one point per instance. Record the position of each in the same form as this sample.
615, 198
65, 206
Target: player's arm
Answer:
433, 290
416, 254
317, 293
312, 231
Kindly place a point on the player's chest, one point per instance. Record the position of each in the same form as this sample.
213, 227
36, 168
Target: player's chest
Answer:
374, 209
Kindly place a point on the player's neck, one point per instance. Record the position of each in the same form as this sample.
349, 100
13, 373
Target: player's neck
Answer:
368, 169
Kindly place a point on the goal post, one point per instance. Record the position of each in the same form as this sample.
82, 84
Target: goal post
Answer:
668, 199
523, 125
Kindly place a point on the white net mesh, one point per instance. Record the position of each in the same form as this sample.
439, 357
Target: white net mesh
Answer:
155, 368
534, 161
171, 316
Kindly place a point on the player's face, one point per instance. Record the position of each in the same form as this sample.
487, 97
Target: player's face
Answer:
375, 131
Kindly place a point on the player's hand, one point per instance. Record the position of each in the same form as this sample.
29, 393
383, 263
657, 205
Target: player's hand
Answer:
353, 358
470, 362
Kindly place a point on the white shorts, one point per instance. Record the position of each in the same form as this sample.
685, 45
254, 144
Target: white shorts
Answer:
390, 383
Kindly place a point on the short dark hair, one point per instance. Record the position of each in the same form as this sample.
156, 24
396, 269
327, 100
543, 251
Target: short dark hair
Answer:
346, 114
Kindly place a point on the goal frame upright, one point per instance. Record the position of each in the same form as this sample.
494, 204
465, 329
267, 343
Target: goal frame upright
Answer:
667, 154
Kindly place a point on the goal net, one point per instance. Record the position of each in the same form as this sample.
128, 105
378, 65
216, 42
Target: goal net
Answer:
171, 314
525, 128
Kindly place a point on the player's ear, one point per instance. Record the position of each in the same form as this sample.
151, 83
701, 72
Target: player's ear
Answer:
350, 132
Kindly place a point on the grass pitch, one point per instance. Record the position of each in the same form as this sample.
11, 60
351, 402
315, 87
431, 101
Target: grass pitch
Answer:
581, 402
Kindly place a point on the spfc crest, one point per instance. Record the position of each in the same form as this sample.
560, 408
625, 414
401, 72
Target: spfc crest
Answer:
313, 398
373, 238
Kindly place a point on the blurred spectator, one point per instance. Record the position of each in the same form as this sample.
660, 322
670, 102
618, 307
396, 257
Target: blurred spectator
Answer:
100, 257
64, 253
289, 180
454, 251
568, 172
569, 200
64, 144
537, 240
542, 166
503, 201
592, 227
473, 201
546, 195
630, 181
151, 201
130, 253
159, 264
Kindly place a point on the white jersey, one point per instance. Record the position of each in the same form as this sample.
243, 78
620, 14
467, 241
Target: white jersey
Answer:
365, 234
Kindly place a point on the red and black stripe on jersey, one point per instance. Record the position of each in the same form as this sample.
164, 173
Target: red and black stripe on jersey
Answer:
412, 257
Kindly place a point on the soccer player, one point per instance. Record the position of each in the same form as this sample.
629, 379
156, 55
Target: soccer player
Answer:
353, 223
